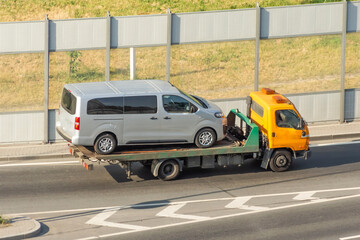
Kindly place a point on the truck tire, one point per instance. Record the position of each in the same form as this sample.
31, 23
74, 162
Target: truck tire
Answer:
205, 138
169, 170
280, 161
105, 144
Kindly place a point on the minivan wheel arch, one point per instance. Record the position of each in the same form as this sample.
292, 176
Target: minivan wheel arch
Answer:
103, 134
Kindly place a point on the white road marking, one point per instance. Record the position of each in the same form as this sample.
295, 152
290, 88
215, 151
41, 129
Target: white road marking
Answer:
228, 216
305, 196
170, 212
100, 218
351, 237
176, 203
333, 144
239, 202
36, 164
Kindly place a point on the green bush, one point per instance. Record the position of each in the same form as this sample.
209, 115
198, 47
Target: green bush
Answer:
4, 221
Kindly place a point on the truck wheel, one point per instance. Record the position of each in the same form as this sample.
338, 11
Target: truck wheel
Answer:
105, 144
280, 161
205, 138
169, 170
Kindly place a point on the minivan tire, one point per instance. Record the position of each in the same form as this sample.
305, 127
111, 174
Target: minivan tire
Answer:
205, 138
105, 144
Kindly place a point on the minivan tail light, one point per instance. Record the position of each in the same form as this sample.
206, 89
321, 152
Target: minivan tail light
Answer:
77, 123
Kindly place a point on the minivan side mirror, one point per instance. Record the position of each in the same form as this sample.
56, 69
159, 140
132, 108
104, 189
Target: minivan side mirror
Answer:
193, 109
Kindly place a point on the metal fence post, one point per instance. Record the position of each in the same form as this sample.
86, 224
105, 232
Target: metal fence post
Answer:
132, 63
257, 46
46, 80
168, 45
108, 46
343, 56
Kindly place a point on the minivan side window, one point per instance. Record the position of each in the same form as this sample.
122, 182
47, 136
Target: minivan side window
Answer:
140, 104
176, 104
287, 119
113, 105
68, 101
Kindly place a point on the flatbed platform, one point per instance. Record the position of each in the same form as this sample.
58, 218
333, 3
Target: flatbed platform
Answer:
136, 153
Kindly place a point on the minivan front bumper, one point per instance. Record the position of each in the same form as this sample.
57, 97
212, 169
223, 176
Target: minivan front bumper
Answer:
63, 134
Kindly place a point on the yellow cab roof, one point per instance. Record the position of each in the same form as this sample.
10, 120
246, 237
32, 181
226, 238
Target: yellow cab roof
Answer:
269, 98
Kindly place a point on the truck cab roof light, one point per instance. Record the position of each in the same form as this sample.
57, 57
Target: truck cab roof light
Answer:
267, 91
279, 99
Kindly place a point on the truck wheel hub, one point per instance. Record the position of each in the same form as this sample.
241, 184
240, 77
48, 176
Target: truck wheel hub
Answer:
281, 161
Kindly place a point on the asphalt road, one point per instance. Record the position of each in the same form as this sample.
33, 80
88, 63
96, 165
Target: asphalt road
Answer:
315, 199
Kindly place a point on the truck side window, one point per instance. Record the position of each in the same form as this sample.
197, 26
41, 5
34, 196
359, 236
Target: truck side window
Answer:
176, 104
287, 119
257, 108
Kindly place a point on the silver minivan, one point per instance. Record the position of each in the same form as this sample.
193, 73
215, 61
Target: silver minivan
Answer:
136, 112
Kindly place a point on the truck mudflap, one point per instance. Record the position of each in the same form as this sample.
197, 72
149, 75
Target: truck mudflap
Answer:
266, 158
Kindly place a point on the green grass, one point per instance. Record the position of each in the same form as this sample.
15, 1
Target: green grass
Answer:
212, 70
4, 221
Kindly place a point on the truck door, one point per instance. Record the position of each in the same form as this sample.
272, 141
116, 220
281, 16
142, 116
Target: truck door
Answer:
287, 130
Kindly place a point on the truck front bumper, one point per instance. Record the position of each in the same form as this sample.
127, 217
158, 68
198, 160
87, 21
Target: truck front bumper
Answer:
303, 154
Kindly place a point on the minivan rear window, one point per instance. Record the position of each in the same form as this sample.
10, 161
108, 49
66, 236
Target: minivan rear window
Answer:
113, 105
68, 101
140, 104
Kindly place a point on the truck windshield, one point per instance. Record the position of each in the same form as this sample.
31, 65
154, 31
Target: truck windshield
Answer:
287, 119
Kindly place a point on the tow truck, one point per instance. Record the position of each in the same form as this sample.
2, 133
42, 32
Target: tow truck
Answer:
272, 132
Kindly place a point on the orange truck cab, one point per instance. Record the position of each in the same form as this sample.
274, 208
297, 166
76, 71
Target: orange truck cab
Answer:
284, 134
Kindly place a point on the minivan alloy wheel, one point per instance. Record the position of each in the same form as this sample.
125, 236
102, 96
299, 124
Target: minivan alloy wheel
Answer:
205, 138
105, 144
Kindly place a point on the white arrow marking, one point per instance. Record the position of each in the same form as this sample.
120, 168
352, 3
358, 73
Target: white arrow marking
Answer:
101, 217
170, 212
305, 196
239, 202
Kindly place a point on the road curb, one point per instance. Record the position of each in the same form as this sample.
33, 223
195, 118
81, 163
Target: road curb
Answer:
20, 228
44, 156
334, 136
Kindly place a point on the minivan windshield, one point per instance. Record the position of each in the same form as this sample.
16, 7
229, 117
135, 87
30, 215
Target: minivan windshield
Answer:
68, 101
200, 103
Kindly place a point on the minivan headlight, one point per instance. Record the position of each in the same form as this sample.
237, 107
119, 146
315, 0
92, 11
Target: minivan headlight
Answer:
219, 115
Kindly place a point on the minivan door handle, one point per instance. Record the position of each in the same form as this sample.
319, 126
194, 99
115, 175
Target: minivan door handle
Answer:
167, 117
153, 118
